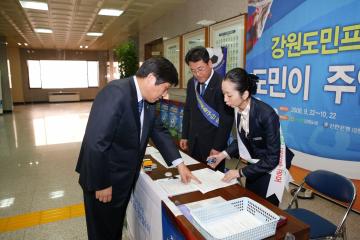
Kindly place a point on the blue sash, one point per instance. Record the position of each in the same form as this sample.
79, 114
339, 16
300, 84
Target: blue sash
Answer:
209, 113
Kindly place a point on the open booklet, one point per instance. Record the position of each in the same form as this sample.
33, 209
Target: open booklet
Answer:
210, 180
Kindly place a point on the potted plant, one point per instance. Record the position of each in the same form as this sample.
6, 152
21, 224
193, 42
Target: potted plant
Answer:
126, 54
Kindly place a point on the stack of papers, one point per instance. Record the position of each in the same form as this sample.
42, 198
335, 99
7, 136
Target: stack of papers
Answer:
230, 224
186, 208
210, 180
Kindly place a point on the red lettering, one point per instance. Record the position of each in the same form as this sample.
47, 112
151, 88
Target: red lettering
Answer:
278, 176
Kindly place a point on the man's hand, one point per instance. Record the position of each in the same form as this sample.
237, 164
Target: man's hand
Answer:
104, 195
218, 158
186, 174
230, 175
183, 144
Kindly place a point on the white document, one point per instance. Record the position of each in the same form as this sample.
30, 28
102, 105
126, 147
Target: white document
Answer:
186, 158
173, 187
210, 180
150, 150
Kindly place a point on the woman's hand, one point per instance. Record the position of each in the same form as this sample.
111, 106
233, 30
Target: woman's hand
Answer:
217, 158
230, 175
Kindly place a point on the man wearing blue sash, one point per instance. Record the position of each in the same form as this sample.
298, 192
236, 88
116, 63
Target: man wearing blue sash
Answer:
207, 120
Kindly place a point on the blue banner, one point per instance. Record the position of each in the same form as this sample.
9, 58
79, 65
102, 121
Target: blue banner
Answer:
306, 54
164, 112
179, 122
173, 117
170, 231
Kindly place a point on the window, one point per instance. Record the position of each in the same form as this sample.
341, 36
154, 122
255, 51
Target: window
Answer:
93, 73
34, 74
63, 74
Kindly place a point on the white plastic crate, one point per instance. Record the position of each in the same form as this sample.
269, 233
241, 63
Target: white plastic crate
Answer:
241, 218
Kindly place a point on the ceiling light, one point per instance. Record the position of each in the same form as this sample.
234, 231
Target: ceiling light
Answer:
81, 46
205, 22
25, 44
94, 34
19, 44
34, 5
110, 12
86, 46
43, 30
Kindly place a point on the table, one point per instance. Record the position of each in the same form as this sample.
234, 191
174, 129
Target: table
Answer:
144, 211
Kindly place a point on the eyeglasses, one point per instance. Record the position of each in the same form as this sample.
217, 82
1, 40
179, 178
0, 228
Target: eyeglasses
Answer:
198, 70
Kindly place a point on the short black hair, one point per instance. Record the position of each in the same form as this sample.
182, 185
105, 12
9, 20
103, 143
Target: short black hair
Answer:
197, 54
162, 68
242, 80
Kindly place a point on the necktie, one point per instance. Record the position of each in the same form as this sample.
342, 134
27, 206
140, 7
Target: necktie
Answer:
242, 134
200, 88
140, 106
240, 128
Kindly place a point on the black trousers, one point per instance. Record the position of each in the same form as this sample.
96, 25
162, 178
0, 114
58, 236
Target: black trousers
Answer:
104, 221
260, 186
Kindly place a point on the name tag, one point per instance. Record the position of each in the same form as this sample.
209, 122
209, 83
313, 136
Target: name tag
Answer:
257, 138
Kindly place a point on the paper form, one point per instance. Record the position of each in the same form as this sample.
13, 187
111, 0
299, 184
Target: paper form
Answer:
187, 159
173, 187
210, 180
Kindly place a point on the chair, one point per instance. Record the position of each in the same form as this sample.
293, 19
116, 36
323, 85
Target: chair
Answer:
330, 185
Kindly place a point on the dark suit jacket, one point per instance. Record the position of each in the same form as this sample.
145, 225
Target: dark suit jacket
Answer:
264, 141
111, 153
197, 128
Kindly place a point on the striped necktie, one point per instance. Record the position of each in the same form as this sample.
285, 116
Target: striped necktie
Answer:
140, 106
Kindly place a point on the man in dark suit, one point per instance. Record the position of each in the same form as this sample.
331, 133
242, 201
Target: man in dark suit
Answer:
207, 121
121, 120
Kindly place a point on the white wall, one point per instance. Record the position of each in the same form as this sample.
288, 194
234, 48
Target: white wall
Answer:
184, 19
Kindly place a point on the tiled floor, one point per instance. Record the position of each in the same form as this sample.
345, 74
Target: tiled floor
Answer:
39, 145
